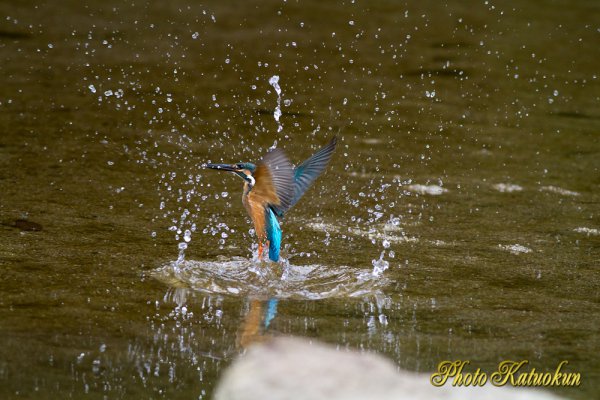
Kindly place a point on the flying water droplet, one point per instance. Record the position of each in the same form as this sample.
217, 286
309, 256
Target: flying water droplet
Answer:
274, 81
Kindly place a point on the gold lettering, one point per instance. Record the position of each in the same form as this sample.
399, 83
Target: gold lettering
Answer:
446, 369
458, 377
531, 377
546, 379
572, 379
558, 374
508, 373
537, 381
522, 379
480, 378
506, 370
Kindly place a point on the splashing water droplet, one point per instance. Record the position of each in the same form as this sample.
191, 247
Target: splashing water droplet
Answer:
274, 81
182, 246
380, 265
277, 115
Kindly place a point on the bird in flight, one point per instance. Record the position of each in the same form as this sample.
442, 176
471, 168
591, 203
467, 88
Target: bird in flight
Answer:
273, 186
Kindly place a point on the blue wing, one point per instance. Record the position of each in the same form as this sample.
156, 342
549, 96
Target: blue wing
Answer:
274, 180
306, 173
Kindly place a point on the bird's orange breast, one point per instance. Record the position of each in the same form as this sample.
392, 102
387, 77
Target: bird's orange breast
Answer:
255, 206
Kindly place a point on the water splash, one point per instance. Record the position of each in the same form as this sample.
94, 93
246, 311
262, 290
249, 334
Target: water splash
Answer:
274, 81
379, 266
242, 277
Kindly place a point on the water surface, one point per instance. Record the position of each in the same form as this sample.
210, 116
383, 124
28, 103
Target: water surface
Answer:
458, 220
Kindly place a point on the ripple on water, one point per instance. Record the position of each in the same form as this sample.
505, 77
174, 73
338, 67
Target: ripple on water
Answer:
239, 276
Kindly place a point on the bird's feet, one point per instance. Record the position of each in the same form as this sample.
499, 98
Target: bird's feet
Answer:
260, 251
263, 250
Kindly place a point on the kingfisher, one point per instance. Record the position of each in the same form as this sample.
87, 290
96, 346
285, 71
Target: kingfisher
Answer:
271, 187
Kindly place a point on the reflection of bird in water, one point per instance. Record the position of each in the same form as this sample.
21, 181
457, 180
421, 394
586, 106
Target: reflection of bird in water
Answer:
256, 323
273, 186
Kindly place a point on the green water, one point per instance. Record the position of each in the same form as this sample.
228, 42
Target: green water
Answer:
107, 111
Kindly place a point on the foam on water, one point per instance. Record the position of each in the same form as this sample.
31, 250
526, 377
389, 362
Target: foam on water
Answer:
241, 276
515, 248
588, 231
558, 190
507, 187
433, 190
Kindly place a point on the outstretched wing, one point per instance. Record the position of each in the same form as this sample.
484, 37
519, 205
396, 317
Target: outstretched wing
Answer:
274, 180
306, 173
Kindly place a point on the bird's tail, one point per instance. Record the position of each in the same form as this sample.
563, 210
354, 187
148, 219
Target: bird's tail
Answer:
273, 234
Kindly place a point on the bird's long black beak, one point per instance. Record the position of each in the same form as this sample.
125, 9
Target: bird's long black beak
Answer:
222, 167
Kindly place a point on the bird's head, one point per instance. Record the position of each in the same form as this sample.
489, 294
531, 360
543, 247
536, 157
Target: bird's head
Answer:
243, 170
